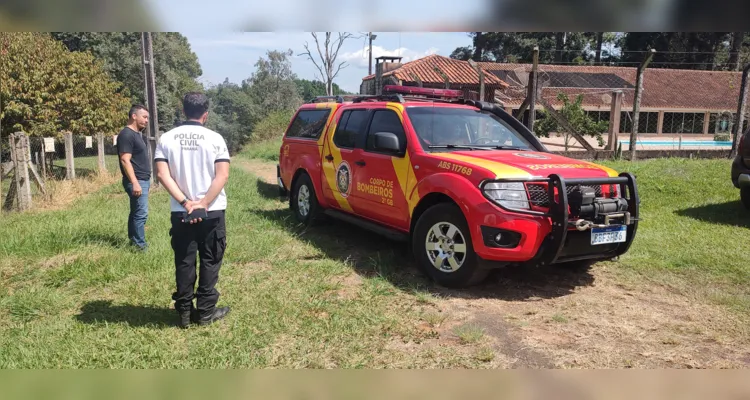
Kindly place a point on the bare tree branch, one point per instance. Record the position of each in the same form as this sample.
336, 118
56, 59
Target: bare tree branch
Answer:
327, 55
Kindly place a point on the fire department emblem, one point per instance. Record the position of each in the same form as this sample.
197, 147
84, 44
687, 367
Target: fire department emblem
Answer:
344, 178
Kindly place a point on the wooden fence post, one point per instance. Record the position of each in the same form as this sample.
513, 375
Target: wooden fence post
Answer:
69, 163
614, 120
100, 150
637, 102
21, 158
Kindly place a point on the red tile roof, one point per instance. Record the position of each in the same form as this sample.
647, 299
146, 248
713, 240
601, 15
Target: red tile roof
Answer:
458, 72
663, 88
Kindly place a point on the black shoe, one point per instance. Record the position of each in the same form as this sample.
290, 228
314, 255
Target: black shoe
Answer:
218, 314
188, 317
185, 319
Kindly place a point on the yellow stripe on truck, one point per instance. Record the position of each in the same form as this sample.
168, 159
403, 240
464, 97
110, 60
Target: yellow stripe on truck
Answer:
329, 169
609, 171
407, 180
501, 171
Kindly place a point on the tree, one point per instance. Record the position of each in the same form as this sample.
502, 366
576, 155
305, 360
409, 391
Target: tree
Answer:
327, 63
576, 116
47, 89
232, 114
271, 87
310, 89
555, 47
176, 66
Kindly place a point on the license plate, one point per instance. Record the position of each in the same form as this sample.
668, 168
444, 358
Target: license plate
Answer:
610, 234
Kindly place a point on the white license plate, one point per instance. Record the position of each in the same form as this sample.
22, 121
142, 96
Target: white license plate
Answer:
610, 234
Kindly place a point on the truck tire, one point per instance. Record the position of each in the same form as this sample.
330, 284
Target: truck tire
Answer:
303, 202
745, 197
442, 247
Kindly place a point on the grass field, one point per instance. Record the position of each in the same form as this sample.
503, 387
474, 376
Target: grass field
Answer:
74, 296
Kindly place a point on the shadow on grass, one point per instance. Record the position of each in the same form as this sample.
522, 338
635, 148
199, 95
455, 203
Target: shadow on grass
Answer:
268, 190
373, 255
731, 213
100, 311
105, 239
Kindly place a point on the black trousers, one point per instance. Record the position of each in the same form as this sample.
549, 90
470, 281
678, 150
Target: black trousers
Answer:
208, 239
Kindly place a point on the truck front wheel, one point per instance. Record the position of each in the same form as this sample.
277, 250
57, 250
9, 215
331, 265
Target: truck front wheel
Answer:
442, 247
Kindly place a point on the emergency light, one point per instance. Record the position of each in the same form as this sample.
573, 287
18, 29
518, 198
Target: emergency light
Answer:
419, 91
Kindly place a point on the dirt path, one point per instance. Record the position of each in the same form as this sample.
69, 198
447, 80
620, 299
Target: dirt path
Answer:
264, 170
585, 318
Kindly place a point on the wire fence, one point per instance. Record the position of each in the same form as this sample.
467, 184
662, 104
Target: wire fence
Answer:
679, 108
50, 158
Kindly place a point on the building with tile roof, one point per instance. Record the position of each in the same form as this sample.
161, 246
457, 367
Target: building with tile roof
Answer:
674, 101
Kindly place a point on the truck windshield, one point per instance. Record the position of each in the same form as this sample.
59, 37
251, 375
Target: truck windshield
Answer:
447, 129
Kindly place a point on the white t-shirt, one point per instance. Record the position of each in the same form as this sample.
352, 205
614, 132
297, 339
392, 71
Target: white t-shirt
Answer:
192, 151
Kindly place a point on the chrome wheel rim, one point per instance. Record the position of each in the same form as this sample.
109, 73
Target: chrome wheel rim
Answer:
446, 247
303, 200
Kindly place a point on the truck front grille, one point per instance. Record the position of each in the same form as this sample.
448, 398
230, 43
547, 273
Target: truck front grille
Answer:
538, 195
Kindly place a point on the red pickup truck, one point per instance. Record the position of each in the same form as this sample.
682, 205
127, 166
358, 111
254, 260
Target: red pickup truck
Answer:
465, 183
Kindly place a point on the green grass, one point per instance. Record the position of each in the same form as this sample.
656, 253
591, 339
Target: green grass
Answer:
267, 150
74, 296
694, 229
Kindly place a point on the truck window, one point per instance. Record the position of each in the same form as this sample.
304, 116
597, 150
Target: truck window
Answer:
385, 121
462, 126
308, 124
349, 129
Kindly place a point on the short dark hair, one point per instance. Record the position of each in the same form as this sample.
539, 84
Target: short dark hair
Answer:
195, 104
134, 109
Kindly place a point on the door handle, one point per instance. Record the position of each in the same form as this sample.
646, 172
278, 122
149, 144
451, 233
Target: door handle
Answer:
361, 163
329, 157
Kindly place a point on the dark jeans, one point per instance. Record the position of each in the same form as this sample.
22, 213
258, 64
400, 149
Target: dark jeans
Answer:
208, 239
138, 213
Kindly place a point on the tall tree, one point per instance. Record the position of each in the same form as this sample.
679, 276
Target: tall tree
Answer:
599, 43
326, 62
734, 51
47, 89
272, 85
176, 66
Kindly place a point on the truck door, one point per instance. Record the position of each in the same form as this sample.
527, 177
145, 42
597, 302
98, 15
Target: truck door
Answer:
341, 157
377, 190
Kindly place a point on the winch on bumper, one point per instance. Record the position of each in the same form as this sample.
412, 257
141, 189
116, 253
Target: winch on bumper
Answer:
585, 226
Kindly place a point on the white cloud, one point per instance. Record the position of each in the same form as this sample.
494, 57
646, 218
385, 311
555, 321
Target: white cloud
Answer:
359, 58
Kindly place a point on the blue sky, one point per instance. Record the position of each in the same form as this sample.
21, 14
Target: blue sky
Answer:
225, 51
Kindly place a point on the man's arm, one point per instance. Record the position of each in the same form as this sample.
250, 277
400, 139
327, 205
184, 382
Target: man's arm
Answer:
220, 179
126, 153
162, 172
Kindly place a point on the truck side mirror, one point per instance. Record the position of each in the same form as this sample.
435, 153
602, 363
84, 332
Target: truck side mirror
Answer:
387, 141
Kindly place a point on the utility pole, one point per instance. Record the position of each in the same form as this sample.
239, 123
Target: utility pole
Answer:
152, 131
533, 77
371, 37
637, 101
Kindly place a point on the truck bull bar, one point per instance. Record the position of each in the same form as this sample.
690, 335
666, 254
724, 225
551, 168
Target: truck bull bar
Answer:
555, 247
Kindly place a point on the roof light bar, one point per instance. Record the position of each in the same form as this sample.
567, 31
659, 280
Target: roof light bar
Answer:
419, 91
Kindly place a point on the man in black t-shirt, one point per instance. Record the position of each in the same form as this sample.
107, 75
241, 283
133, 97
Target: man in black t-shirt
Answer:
135, 167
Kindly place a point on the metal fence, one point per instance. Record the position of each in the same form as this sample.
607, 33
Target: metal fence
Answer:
678, 108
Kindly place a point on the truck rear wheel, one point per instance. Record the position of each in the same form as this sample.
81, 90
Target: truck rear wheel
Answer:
745, 197
442, 247
303, 202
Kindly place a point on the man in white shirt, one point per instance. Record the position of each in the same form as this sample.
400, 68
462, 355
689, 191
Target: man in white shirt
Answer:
192, 163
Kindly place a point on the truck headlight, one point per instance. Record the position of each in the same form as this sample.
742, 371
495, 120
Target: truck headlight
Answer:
510, 195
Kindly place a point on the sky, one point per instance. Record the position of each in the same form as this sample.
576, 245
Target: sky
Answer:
233, 51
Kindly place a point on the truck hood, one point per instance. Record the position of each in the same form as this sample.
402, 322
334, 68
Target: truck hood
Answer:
525, 164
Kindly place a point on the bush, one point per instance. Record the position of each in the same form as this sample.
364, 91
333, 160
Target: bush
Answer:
272, 127
722, 137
